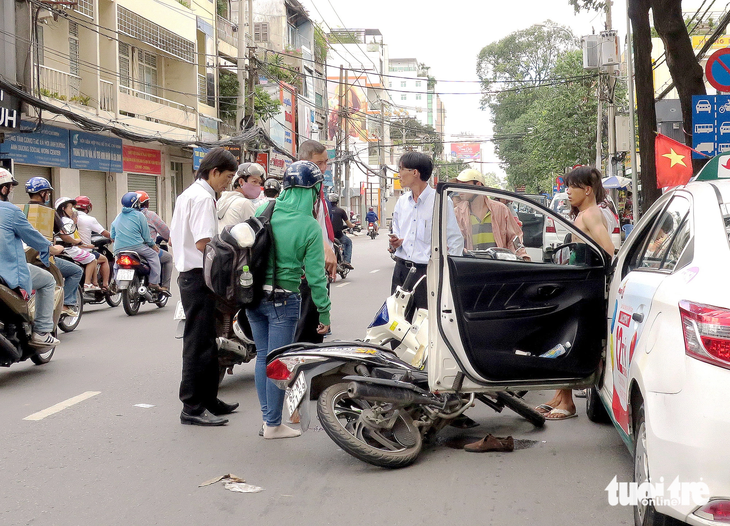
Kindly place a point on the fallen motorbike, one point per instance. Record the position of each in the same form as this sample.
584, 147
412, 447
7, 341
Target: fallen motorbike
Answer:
132, 279
371, 401
342, 270
233, 336
371, 230
16, 321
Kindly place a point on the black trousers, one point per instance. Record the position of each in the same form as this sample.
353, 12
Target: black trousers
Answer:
308, 317
400, 273
199, 385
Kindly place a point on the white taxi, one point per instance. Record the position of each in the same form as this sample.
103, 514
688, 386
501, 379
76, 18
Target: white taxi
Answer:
665, 382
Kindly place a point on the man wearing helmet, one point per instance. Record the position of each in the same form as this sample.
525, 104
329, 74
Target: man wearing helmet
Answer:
87, 224
130, 232
297, 238
339, 221
239, 204
39, 190
158, 229
272, 189
14, 231
485, 222
372, 217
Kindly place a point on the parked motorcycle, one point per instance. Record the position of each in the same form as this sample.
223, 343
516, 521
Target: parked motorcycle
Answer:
371, 230
342, 270
132, 279
372, 402
16, 321
233, 336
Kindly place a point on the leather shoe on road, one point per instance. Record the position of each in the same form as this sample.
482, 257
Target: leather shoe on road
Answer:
491, 443
222, 408
203, 419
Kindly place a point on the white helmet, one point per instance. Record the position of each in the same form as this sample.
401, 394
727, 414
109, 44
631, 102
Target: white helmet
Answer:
7, 178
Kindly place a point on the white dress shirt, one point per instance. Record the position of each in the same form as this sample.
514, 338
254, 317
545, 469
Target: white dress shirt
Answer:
412, 222
87, 224
194, 219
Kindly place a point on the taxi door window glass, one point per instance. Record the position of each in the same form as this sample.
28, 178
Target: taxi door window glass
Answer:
669, 236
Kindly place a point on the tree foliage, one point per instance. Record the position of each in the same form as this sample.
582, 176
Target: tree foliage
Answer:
410, 131
265, 106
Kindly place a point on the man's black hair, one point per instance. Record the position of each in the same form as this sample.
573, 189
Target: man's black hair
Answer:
216, 158
418, 161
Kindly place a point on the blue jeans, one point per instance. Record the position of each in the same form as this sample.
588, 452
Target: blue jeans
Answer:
346, 248
45, 286
72, 274
272, 325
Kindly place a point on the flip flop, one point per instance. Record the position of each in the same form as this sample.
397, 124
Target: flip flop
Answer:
560, 414
544, 409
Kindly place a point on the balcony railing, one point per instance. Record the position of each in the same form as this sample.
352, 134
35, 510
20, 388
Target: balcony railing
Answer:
106, 96
60, 85
155, 98
202, 89
226, 31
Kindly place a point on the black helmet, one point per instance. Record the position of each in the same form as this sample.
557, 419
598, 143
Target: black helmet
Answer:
302, 174
272, 184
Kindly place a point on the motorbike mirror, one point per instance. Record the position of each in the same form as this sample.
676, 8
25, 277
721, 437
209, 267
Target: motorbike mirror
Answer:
68, 229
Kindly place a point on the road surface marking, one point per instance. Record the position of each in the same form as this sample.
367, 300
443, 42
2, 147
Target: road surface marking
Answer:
374, 271
342, 284
144, 406
40, 415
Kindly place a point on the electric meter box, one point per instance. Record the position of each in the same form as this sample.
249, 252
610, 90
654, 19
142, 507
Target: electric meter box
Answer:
610, 48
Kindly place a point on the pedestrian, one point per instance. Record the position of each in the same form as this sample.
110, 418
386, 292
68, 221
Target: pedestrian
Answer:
240, 203
412, 217
585, 191
194, 224
307, 327
486, 222
298, 248
272, 189
339, 221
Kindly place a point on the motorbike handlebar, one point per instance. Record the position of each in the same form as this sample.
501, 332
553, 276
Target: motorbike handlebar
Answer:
410, 278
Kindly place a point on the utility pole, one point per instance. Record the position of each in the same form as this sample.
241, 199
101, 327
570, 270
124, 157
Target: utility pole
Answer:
381, 153
340, 127
241, 63
251, 87
346, 195
630, 79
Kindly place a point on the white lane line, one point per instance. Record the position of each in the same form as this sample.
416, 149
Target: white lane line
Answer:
40, 415
374, 271
345, 284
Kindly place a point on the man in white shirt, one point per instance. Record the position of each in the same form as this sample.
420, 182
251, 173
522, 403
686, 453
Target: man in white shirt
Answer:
412, 218
87, 224
194, 224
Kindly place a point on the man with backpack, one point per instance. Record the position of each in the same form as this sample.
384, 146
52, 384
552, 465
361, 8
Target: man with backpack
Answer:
194, 224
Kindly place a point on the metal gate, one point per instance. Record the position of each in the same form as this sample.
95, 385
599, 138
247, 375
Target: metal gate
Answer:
147, 183
22, 173
93, 186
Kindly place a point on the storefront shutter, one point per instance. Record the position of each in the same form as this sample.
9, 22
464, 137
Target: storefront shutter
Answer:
93, 186
23, 172
148, 183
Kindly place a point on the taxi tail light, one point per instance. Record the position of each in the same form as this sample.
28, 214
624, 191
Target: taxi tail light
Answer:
706, 332
126, 261
282, 369
550, 228
717, 511
616, 230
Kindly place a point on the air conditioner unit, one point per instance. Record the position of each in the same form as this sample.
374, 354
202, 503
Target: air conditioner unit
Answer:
610, 48
623, 133
591, 51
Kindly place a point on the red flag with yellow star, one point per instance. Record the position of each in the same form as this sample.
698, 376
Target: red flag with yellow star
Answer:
673, 162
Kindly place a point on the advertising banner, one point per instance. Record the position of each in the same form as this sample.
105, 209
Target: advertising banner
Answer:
95, 152
466, 151
263, 159
9, 111
48, 146
278, 165
198, 154
355, 100
142, 160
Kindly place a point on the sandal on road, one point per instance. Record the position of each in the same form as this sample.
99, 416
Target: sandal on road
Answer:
544, 409
560, 414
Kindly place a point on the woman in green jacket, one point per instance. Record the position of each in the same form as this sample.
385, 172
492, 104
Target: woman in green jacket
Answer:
297, 246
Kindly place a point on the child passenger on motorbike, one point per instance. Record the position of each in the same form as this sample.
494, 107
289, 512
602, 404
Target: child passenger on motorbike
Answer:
65, 208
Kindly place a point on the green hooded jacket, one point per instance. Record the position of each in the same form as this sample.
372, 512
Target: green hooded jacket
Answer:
299, 246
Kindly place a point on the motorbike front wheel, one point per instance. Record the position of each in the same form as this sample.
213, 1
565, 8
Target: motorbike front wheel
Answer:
69, 323
130, 298
349, 423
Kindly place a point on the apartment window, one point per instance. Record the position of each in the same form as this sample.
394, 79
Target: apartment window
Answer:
418, 97
147, 72
138, 27
403, 96
41, 45
402, 83
125, 65
390, 84
85, 7
418, 83
261, 32
138, 69
73, 48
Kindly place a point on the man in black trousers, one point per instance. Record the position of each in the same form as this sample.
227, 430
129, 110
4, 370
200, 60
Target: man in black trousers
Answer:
193, 225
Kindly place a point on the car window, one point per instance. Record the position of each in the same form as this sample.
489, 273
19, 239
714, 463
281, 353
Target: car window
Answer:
669, 235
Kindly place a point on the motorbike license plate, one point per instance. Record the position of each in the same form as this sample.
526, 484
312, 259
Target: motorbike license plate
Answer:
179, 311
295, 393
125, 274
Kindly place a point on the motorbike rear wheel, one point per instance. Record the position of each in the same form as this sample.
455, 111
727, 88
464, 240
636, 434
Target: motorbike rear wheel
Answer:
343, 419
130, 298
113, 300
162, 301
69, 323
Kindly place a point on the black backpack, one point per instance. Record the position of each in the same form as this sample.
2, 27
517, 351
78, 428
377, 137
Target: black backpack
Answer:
223, 262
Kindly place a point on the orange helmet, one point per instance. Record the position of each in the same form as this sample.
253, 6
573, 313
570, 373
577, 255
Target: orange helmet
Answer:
83, 203
144, 198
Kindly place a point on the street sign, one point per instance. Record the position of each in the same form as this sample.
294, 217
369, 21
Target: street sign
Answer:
717, 70
710, 124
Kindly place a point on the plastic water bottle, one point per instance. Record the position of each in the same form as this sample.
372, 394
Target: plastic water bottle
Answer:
246, 282
556, 351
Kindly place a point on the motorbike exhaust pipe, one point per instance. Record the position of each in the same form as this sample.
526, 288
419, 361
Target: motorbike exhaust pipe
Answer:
144, 291
390, 395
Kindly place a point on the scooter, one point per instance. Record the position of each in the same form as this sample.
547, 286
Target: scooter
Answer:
112, 296
342, 270
16, 320
371, 230
373, 397
233, 336
132, 279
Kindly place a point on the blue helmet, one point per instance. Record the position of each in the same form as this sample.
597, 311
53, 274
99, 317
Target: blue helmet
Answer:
302, 174
131, 200
37, 184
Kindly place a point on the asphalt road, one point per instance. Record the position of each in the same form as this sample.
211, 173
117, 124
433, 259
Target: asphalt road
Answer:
107, 461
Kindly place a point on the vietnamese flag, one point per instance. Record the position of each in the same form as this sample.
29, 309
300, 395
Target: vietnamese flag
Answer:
673, 162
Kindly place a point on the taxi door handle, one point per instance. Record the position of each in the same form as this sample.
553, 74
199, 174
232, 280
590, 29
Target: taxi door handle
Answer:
637, 317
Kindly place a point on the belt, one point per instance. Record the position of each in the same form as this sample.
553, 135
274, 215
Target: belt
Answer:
193, 272
410, 264
269, 288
